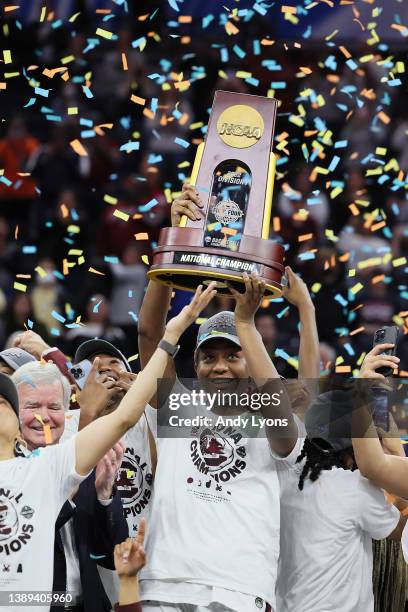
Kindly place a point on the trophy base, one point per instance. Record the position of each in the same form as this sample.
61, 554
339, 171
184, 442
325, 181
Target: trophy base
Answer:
188, 280
180, 261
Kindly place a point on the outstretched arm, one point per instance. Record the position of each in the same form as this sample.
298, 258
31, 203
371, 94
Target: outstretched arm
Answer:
296, 292
389, 472
260, 365
98, 437
156, 302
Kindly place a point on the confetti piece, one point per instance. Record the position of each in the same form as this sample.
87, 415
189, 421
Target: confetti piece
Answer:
401, 261
231, 29
20, 287
104, 33
142, 236
288, 9
124, 61
137, 100
46, 429
130, 146
121, 215
7, 56
357, 331
110, 199
96, 557
96, 271
145, 259
78, 147
41, 92
181, 142
384, 117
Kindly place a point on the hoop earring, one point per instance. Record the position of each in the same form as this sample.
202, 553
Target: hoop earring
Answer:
20, 447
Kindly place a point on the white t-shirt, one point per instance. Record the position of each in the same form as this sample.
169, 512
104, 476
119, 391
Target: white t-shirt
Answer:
326, 541
135, 478
404, 542
32, 492
215, 516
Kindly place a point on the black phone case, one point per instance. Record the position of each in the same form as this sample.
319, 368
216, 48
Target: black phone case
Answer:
386, 335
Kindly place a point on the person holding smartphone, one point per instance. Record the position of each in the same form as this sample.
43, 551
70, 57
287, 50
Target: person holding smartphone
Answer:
387, 470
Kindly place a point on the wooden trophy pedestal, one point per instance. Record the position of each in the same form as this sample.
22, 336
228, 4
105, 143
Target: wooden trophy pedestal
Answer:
180, 261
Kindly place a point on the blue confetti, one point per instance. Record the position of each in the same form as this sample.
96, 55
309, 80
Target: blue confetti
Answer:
41, 92
148, 206
130, 146
181, 142
57, 316
30, 102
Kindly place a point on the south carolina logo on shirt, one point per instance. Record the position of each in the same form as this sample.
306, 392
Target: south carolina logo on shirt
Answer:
14, 530
134, 482
218, 453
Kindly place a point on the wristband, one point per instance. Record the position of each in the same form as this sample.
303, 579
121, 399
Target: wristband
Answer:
169, 348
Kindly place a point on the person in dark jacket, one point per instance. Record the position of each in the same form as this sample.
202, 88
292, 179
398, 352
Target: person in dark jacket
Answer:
97, 526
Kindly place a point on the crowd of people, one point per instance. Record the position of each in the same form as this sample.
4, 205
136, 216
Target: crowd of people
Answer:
236, 520
57, 207
105, 504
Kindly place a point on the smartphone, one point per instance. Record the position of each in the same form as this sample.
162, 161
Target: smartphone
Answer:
380, 412
80, 372
386, 335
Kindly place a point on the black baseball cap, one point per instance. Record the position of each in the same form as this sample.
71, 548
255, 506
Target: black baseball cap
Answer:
15, 357
9, 392
97, 346
221, 325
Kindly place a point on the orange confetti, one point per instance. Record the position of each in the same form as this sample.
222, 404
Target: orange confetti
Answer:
304, 237
182, 85
148, 113
354, 210
142, 236
384, 117
377, 226
46, 429
185, 19
276, 224
124, 61
357, 331
343, 369
377, 279
231, 29
64, 211
78, 147
289, 9
137, 100
346, 53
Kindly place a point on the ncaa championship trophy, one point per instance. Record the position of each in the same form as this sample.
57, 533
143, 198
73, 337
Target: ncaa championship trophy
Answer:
234, 173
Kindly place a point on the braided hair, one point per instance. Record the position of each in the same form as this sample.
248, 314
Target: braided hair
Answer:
321, 456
